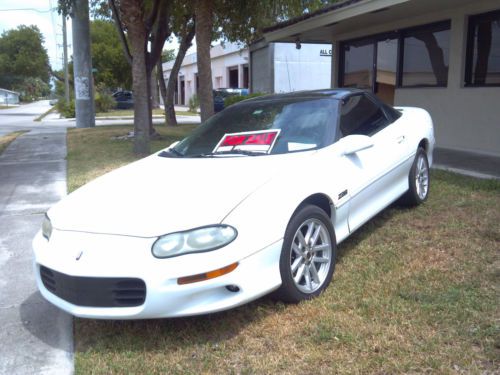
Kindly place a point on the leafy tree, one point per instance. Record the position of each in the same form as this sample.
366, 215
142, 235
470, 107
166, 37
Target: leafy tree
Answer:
31, 89
237, 20
143, 27
146, 22
168, 55
24, 63
112, 67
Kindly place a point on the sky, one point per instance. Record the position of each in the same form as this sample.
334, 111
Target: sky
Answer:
43, 13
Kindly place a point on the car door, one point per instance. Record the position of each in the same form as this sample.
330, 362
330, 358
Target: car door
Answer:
373, 174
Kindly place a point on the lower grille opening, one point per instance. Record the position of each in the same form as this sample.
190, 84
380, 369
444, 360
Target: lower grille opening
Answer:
94, 291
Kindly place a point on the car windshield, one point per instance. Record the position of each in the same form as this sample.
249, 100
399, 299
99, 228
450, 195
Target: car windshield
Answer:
272, 126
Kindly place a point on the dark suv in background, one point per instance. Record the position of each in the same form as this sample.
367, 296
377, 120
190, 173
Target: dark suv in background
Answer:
220, 96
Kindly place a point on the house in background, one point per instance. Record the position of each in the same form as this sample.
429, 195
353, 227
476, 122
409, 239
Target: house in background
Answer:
281, 67
443, 56
8, 97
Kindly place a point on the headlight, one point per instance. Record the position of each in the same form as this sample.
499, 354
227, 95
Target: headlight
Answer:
194, 241
46, 227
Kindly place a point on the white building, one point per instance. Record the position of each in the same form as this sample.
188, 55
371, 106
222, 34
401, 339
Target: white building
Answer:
8, 97
441, 55
229, 70
281, 68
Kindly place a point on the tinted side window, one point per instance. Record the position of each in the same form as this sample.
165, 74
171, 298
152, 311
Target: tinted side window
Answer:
359, 115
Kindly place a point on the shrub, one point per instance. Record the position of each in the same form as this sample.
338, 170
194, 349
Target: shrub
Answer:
238, 98
104, 102
194, 103
66, 110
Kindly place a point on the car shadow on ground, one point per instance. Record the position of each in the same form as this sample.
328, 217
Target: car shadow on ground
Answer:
46, 322
367, 229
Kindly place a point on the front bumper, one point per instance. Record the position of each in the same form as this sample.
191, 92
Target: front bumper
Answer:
109, 256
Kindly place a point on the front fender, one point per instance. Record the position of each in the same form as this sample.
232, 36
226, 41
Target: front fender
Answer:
262, 218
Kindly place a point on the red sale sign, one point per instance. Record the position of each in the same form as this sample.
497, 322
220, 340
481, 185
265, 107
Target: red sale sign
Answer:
258, 141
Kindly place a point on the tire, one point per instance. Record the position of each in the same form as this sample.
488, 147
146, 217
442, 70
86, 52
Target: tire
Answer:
419, 180
314, 261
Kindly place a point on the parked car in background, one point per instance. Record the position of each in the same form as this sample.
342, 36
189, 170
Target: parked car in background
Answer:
285, 179
124, 99
221, 94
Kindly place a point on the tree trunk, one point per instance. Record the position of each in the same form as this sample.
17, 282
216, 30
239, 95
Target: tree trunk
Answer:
168, 98
204, 26
163, 88
137, 36
155, 97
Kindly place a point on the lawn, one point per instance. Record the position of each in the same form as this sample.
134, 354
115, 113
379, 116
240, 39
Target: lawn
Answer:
7, 139
415, 291
95, 151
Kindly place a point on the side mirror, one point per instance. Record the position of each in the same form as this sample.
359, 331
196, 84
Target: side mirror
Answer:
173, 144
354, 143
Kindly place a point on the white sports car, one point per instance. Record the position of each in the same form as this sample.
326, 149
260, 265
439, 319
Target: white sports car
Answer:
254, 201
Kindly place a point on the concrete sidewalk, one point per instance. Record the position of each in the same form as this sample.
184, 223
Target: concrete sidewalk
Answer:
36, 337
54, 119
467, 163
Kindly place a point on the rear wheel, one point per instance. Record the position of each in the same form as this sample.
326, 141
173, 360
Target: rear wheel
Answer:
419, 180
308, 255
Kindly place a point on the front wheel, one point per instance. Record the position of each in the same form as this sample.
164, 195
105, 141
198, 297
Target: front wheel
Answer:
308, 255
418, 179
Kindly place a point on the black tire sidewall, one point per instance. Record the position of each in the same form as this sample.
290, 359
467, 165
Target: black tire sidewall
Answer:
288, 290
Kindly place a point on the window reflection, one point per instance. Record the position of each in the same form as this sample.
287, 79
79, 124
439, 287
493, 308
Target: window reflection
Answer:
387, 58
483, 49
425, 58
358, 65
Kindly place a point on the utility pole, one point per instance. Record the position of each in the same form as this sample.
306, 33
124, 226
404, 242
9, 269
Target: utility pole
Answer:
65, 52
82, 65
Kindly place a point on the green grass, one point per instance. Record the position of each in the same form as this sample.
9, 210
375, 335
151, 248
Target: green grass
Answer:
6, 140
94, 151
130, 113
415, 291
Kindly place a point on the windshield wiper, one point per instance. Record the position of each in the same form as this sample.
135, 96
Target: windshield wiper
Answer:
171, 151
232, 152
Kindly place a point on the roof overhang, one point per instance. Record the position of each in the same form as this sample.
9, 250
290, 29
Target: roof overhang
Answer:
351, 16
319, 28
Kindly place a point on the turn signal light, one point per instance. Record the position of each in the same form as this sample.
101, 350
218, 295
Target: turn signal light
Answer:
207, 275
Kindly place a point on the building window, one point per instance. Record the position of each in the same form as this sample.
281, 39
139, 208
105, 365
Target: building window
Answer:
483, 50
358, 64
426, 56
411, 57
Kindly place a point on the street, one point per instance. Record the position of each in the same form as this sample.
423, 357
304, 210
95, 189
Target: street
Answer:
36, 337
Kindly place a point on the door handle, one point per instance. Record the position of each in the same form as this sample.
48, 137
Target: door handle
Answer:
400, 139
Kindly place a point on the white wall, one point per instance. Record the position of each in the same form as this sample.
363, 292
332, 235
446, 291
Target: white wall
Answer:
223, 57
301, 69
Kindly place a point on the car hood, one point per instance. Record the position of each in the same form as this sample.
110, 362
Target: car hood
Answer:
159, 195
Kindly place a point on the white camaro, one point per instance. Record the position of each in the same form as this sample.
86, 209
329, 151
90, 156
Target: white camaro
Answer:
255, 200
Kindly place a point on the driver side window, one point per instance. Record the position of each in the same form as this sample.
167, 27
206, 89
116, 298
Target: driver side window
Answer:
359, 115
